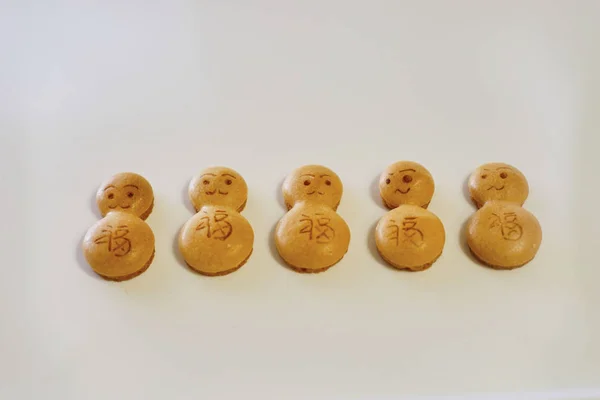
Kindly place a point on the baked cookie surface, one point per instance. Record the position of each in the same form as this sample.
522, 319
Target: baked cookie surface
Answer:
406, 182
504, 235
498, 181
120, 246
312, 237
410, 237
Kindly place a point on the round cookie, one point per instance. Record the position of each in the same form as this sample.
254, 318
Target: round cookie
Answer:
504, 235
498, 181
218, 186
313, 183
406, 182
216, 241
127, 192
312, 237
410, 237
119, 246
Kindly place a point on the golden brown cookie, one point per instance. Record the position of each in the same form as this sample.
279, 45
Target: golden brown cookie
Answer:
504, 235
216, 241
498, 181
315, 184
406, 182
312, 237
218, 186
127, 192
410, 237
119, 246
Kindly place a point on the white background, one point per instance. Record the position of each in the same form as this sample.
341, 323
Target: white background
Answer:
166, 88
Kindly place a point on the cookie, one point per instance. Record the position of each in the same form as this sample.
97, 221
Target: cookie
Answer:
127, 192
503, 235
119, 247
314, 184
312, 237
217, 240
406, 182
498, 181
410, 237
218, 186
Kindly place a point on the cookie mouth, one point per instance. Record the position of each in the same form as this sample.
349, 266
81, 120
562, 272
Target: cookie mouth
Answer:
211, 193
122, 207
407, 190
315, 191
223, 192
494, 187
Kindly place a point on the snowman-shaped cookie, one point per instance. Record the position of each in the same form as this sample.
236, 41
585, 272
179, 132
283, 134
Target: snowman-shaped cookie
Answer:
218, 239
312, 237
502, 234
409, 236
121, 245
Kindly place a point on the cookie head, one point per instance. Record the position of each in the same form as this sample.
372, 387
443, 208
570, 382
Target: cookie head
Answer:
498, 181
406, 182
218, 186
313, 183
127, 192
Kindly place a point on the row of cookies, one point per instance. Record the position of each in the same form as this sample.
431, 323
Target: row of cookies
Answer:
312, 237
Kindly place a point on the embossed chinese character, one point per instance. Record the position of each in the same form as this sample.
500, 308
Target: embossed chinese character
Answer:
218, 228
410, 233
117, 241
317, 228
508, 225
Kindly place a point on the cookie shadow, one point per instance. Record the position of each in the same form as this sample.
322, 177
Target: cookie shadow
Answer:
372, 245
375, 194
185, 199
467, 192
94, 206
279, 194
82, 262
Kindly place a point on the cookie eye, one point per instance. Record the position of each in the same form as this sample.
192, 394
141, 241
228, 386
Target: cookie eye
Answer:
306, 182
111, 196
387, 181
503, 175
483, 176
205, 182
407, 178
228, 181
328, 182
130, 195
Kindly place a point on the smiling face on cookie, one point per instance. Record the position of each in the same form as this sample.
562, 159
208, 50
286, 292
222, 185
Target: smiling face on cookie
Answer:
313, 183
218, 186
127, 192
406, 182
498, 181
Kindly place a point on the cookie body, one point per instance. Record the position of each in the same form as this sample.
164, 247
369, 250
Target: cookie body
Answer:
504, 235
216, 241
312, 237
498, 181
406, 182
410, 237
119, 246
